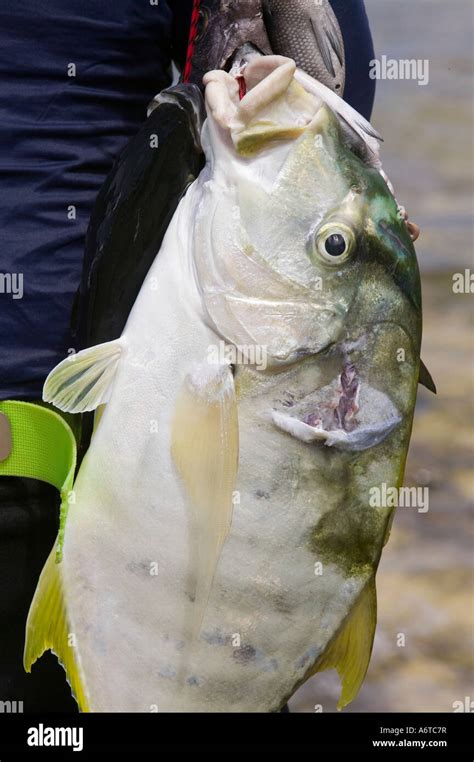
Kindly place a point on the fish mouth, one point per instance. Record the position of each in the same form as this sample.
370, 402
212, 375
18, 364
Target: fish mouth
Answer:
347, 414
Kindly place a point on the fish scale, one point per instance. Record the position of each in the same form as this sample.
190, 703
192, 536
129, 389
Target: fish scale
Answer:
308, 32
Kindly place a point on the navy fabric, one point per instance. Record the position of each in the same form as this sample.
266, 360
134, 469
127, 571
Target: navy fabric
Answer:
360, 89
60, 134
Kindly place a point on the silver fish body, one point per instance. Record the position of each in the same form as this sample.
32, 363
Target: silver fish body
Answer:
223, 541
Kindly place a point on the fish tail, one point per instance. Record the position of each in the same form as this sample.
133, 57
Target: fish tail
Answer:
47, 628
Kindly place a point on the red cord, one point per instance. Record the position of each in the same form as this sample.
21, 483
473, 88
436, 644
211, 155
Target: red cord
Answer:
242, 87
192, 40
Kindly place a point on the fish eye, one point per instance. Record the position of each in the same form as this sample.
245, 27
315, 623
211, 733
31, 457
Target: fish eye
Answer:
335, 243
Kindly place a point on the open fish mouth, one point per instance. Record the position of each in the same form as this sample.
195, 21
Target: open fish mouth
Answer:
347, 413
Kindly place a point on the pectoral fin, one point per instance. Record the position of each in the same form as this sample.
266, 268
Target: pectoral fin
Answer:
205, 449
83, 381
47, 628
350, 651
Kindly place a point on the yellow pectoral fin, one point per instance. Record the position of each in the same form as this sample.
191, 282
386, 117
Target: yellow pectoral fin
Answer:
350, 651
47, 629
205, 449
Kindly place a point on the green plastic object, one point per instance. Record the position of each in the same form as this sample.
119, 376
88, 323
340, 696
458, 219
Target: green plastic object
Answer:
43, 447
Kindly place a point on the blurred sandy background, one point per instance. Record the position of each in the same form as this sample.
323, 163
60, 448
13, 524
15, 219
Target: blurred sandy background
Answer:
426, 578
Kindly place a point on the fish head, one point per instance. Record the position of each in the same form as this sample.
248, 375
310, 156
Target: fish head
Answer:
302, 251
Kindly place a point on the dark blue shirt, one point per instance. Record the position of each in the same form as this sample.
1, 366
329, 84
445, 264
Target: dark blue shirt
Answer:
360, 89
76, 77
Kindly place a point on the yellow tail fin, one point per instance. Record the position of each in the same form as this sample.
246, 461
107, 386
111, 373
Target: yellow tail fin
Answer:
47, 629
350, 651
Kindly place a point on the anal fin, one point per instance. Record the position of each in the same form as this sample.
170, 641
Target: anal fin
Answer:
350, 651
47, 629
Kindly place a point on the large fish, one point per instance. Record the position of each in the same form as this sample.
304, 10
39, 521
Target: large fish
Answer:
221, 542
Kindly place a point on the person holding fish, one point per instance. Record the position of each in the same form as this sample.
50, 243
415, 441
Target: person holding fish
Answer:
322, 404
